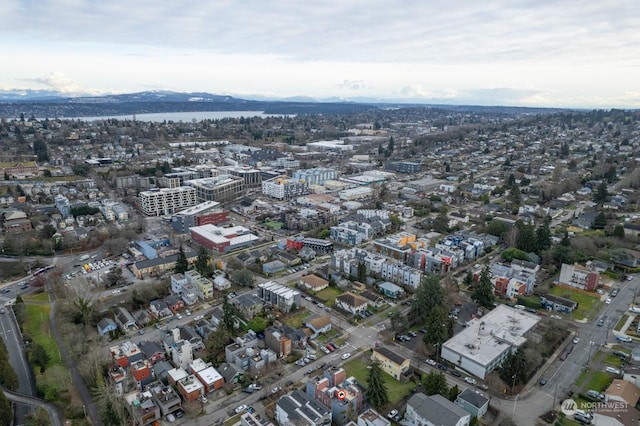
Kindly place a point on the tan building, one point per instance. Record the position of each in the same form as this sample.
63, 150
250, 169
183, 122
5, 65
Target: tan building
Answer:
351, 303
623, 391
313, 283
392, 363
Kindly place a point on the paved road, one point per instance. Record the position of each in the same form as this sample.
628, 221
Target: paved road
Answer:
18, 359
21, 399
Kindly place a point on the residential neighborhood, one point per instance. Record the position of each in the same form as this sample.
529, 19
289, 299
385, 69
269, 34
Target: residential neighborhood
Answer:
370, 268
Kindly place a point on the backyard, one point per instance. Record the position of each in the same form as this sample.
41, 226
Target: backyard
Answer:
328, 295
586, 302
396, 390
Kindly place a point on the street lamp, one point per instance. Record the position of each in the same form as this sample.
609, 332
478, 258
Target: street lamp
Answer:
513, 383
437, 346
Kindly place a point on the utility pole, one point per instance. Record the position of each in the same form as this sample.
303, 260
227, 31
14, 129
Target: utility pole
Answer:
555, 392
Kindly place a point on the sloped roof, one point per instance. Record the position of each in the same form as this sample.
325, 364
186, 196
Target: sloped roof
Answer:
351, 299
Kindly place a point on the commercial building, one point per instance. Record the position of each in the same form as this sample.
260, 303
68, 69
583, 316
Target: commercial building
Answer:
486, 341
207, 213
284, 188
222, 239
251, 177
222, 188
165, 201
316, 176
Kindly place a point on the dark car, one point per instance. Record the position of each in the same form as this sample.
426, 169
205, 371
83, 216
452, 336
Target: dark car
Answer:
179, 414
543, 381
615, 292
442, 367
335, 347
455, 373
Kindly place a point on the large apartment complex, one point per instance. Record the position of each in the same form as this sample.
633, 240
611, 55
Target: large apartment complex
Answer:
166, 201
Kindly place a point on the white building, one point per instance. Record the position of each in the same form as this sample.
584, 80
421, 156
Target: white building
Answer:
486, 341
284, 188
166, 201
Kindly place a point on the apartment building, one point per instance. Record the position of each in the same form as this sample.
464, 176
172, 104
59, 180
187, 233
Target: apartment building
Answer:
166, 201
284, 188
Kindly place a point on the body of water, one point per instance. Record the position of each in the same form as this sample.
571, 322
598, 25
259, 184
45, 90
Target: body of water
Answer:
159, 117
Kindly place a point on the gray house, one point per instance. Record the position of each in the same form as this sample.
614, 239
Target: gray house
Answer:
106, 325
557, 303
124, 319
473, 402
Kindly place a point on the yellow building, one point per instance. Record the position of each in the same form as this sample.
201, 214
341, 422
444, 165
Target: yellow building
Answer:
391, 363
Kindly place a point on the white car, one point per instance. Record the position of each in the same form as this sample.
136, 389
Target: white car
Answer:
470, 380
624, 338
608, 301
346, 355
431, 362
576, 340
241, 409
392, 413
556, 317
612, 370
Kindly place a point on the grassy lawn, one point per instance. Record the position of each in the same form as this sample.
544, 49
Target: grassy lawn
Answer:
37, 327
40, 297
612, 360
396, 390
585, 301
328, 295
296, 319
620, 323
598, 380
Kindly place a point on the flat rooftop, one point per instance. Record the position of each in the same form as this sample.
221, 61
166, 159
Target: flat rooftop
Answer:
487, 337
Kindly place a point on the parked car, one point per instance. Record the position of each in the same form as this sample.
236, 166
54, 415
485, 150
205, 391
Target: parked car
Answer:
241, 409
413, 334
543, 381
442, 367
431, 362
623, 338
608, 301
612, 370
615, 292
455, 373
275, 390
346, 355
576, 340
392, 413
470, 380
595, 394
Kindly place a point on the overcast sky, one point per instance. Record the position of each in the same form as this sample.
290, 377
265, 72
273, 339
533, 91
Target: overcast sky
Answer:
579, 53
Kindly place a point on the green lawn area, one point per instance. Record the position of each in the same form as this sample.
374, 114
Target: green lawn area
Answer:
612, 360
40, 297
328, 295
396, 390
296, 319
37, 326
585, 301
621, 322
598, 380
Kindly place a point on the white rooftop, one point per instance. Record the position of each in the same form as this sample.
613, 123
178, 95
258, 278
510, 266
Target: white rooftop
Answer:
487, 337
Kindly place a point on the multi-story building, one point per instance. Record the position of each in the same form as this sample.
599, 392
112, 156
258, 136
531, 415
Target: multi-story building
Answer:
222, 239
222, 188
165, 201
392, 363
346, 236
484, 344
297, 408
251, 177
403, 166
279, 295
284, 188
316, 176
207, 213
62, 204
579, 276
435, 410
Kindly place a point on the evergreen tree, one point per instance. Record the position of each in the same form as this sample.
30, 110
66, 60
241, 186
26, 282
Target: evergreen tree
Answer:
468, 279
543, 235
484, 292
362, 273
600, 221
601, 193
202, 262
376, 392
618, 231
454, 392
526, 240
428, 295
182, 265
514, 367
434, 382
439, 327
6, 413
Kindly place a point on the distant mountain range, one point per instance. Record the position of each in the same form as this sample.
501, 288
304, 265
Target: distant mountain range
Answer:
46, 103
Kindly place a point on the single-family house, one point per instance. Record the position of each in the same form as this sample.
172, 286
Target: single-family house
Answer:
124, 319
230, 372
351, 303
106, 325
273, 267
622, 391
174, 303
248, 304
373, 299
473, 402
391, 362
318, 324
390, 290
152, 351
221, 283
159, 309
313, 283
